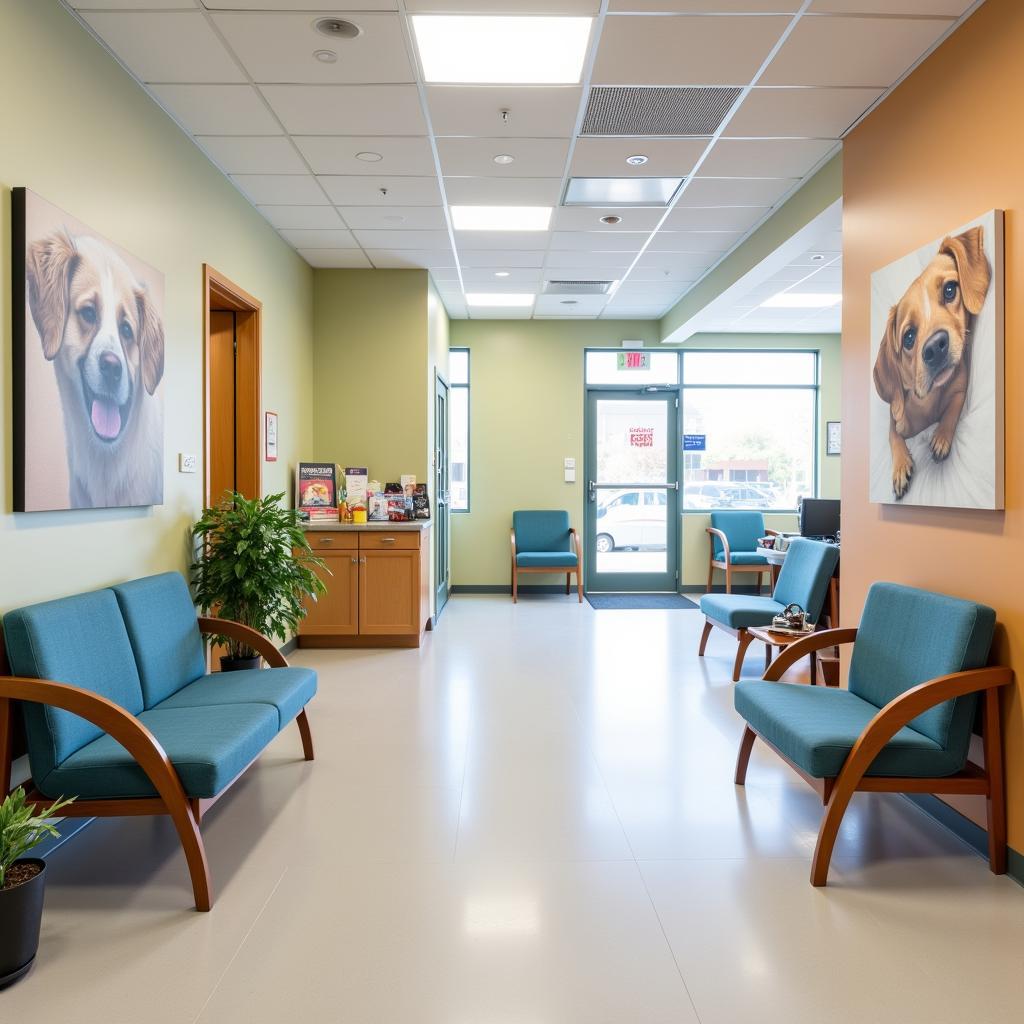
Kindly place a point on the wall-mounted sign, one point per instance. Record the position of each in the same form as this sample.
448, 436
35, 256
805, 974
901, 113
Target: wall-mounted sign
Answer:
695, 442
641, 437
634, 360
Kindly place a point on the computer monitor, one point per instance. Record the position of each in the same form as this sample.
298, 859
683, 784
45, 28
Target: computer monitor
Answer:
819, 517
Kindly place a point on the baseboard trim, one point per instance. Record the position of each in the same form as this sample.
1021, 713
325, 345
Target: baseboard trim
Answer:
506, 588
292, 645
739, 588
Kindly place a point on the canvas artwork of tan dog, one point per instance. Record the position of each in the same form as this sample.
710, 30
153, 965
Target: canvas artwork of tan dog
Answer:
923, 365
102, 331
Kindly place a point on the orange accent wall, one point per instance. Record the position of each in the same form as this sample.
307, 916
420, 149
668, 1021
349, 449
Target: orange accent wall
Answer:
943, 148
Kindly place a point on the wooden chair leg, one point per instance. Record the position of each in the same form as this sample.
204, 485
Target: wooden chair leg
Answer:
711, 576
704, 638
302, 721
515, 585
745, 640
728, 578
767, 657
579, 584
187, 826
838, 801
743, 758
996, 800
568, 582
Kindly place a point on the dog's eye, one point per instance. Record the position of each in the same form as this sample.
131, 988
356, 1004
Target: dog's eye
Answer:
126, 331
88, 314
909, 337
949, 291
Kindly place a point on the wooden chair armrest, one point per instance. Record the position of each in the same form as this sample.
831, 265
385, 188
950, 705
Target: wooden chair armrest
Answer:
244, 634
108, 716
769, 532
915, 701
512, 541
815, 642
712, 534
576, 542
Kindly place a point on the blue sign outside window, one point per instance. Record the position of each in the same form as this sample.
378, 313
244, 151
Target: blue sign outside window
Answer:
695, 442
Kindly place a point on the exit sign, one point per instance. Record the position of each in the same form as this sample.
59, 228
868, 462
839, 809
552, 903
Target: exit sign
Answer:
634, 360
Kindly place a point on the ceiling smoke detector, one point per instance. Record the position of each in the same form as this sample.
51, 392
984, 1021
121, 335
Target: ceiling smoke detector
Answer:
504, 158
817, 257
636, 160
369, 157
611, 219
337, 28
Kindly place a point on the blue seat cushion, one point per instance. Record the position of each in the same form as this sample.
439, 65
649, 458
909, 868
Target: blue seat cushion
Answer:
739, 610
746, 558
741, 529
81, 641
544, 530
817, 726
208, 746
538, 559
164, 635
287, 690
805, 575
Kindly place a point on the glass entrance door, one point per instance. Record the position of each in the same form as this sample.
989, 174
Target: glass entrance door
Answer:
442, 504
632, 524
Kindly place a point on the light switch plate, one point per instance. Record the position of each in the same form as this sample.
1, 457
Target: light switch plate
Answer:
187, 463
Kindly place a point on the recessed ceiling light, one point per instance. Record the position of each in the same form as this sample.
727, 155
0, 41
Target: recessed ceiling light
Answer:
498, 299
501, 218
368, 156
479, 49
611, 219
803, 300
637, 160
325, 56
621, 191
501, 273
504, 159
337, 28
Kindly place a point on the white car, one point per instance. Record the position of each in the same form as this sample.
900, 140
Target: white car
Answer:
632, 519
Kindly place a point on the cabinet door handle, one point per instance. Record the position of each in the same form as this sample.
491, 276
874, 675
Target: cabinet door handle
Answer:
387, 540
362, 561
354, 561
326, 540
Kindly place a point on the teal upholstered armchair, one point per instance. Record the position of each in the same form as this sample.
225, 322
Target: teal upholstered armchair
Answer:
903, 726
733, 546
544, 542
805, 579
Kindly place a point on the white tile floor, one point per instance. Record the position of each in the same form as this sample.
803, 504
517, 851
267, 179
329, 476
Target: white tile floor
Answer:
531, 820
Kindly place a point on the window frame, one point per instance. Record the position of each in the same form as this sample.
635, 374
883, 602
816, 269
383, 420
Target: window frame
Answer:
469, 421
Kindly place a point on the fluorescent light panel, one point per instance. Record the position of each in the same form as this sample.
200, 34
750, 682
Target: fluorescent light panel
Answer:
803, 300
621, 191
501, 218
502, 299
483, 50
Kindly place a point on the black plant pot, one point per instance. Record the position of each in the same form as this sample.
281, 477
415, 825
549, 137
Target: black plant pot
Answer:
21, 911
239, 664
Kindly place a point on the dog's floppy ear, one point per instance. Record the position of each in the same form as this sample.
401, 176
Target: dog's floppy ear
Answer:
48, 266
968, 252
888, 382
151, 341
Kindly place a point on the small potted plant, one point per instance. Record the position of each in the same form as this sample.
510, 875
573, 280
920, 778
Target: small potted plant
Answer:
22, 882
254, 565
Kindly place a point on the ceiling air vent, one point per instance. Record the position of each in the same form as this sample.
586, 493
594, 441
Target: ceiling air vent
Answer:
577, 287
627, 110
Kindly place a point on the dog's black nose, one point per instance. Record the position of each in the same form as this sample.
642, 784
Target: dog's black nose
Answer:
936, 348
110, 367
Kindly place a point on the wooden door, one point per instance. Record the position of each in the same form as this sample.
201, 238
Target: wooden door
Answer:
389, 592
336, 612
222, 404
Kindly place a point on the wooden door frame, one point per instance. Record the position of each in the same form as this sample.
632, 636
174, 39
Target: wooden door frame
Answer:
221, 293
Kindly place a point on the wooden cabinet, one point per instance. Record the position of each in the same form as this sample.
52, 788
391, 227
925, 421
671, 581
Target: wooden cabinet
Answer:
377, 593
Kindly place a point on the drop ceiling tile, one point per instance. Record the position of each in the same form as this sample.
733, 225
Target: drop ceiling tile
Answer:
312, 238
301, 216
398, 239
614, 313
411, 259
599, 241
605, 261
706, 6
349, 259
298, 5
735, 191
569, 305
534, 112
842, 51
576, 273
503, 191
491, 313
539, 158
515, 241
695, 262
646, 293
502, 6
133, 5
947, 8
260, 154
501, 259
516, 276
367, 191
653, 275
708, 244
218, 109
389, 218
347, 109
808, 113
714, 218
588, 218
606, 158
280, 189
330, 154
279, 47
166, 46
504, 285
684, 51
777, 158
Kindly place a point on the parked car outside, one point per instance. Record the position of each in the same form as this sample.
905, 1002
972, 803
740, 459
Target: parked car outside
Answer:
632, 519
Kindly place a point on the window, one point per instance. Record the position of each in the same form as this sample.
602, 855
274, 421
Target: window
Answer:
458, 371
605, 368
753, 416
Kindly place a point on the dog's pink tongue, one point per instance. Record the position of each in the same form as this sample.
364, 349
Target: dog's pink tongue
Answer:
106, 419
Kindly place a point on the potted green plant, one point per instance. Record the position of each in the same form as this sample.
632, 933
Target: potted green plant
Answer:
254, 565
22, 882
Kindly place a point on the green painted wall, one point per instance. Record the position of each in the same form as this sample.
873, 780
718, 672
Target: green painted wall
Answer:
82, 134
526, 416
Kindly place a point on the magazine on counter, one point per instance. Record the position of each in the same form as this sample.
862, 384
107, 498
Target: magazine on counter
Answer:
316, 490
356, 480
420, 502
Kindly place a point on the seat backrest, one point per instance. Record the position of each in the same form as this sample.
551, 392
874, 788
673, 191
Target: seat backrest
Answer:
161, 622
79, 640
805, 574
908, 636
740, 528
546, 530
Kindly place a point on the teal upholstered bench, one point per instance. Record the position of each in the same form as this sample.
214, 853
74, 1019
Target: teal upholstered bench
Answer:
903, 725
120, 713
